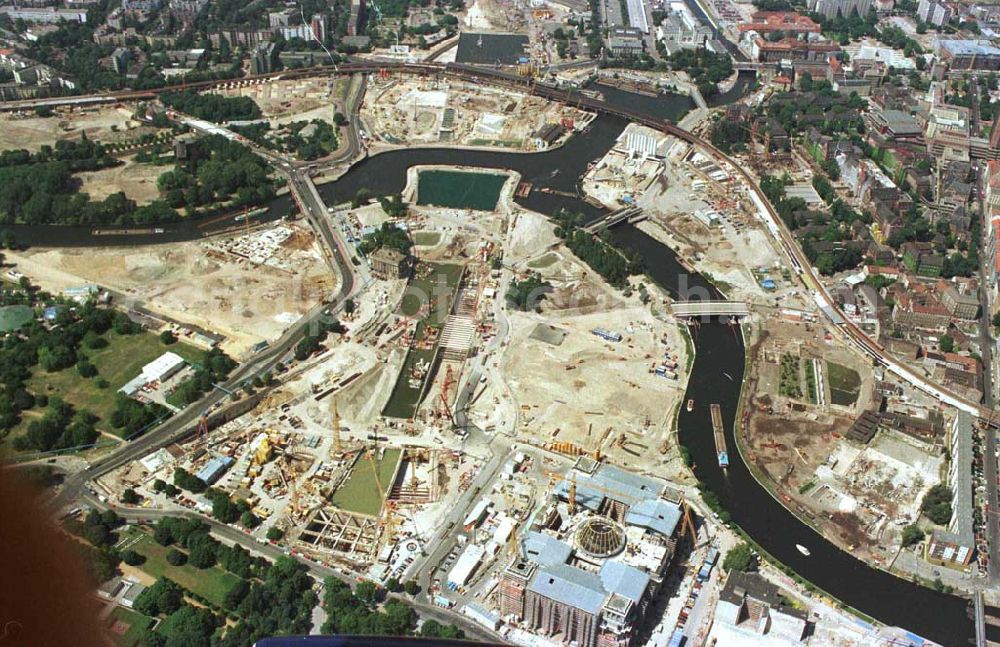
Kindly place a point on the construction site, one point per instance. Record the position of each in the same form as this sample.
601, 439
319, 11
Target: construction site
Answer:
247, 288
429, 110
111, 125
808, 430
285, 101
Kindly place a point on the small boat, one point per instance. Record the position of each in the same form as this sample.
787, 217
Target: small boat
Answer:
730, 377
690, 406
723, 459
802, 549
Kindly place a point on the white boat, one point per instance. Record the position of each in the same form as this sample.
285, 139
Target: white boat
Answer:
802, 549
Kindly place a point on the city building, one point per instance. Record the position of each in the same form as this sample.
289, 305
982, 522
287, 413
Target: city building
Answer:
969, 54
625, 41
786, 22
790, 48
45, 14
285, 18
960, 304
589, 567
831, 9
948, 549
120, 59
935, 12
751, 611
264, 58
389, 263
680, 29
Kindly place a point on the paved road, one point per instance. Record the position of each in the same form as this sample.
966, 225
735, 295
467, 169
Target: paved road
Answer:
986, 348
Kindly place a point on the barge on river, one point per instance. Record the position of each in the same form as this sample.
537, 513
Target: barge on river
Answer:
720, 436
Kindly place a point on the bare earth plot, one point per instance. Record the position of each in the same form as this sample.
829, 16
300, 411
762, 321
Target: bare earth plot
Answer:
199, 283
136, 181
105, 124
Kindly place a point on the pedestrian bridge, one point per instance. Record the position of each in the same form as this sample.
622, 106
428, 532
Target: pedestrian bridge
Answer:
705, 308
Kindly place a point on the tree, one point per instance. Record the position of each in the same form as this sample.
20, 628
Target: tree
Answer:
367, 592
434, 629
946, 343
392, 585
85, 368
274, 534
188, 627
176, 557
190, 482
167, 337
339, 119
163, 597
739, 558
937, 504
411, 587
249, 520
349, 306
236, 594
133, 558
131, 497
912, 534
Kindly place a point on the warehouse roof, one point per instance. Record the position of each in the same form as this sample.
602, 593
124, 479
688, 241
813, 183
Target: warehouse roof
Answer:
627, 581
570, 586
962, 47
545, 550
656, 515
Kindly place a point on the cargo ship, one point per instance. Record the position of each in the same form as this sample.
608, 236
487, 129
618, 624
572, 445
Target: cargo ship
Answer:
720, 436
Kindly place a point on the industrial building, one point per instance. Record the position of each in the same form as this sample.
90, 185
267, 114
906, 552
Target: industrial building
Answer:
969, 54
751, 612
593, 559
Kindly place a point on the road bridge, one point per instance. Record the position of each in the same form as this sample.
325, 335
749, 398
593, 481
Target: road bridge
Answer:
704, 308
628, 214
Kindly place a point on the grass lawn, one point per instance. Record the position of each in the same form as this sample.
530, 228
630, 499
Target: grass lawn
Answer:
118, 362
845, 384
543, 261
426, 238
128, 627
210, 583
359, 493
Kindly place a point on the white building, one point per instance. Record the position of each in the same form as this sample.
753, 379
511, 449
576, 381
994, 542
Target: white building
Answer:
163, 367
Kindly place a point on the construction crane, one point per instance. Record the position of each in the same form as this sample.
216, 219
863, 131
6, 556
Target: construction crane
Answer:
449, 381
335, 422
388, 520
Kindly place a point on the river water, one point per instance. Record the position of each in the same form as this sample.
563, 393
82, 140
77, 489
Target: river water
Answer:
719, 351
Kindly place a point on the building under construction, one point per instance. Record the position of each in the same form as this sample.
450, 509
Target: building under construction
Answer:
594, 557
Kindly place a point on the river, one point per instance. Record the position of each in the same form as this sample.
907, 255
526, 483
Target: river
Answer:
719, 350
